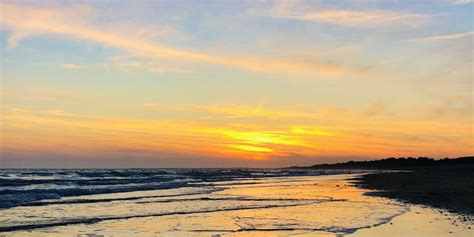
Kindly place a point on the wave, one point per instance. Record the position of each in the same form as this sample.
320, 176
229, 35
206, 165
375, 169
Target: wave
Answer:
28, 186
107, 218
100, 200
12, 198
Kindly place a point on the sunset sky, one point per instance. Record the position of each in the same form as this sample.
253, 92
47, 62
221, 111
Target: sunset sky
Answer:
233, 83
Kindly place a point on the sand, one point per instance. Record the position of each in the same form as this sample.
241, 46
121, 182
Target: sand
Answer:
448, 188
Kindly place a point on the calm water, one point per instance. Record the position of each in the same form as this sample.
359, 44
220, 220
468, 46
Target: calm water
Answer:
189, 202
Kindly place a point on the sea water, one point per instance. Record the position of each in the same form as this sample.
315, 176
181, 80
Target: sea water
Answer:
189, 202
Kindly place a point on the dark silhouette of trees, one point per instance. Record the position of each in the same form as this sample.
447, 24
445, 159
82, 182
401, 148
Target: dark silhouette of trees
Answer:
397, 163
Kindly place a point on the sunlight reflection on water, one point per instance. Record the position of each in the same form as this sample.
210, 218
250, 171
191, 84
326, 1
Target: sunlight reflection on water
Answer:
303, 206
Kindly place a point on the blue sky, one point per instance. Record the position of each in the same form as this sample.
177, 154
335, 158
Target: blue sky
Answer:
254, 83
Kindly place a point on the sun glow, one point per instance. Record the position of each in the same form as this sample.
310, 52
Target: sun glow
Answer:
250, 148
80, 80
259, 137
43, 131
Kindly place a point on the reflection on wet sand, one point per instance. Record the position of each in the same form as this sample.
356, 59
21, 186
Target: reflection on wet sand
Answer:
303, 206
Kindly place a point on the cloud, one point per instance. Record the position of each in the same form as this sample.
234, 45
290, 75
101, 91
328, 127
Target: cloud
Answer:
30, 95
30, 131
458, 108
250, 148
460, 2
349, 18
169, 107
69, 66
445, 37
15, 38
96, 135
136, 63
246, 111
119, 63
74, 22
58, 112
375, 109
377, 18
239, 111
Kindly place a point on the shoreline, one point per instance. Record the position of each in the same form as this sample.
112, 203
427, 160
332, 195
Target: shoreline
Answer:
450, 189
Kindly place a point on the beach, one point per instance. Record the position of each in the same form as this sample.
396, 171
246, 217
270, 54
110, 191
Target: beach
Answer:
236, 118
450, 188
222, 203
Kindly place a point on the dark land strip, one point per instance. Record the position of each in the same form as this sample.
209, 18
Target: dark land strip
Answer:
446, 184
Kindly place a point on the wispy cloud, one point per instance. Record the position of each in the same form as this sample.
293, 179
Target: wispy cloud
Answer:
233, 111
15, 39
142, 64
377, 18
459, 2
454, 107
50, 130
119, 63
239, 111
75, 22
445, 37
349, 18
70, 66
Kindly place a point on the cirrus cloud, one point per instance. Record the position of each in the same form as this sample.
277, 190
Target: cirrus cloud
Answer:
74, 22
348, 18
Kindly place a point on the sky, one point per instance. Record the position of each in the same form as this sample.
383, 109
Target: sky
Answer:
233, 83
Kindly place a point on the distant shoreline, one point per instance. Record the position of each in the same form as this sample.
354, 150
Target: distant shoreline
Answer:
392, 163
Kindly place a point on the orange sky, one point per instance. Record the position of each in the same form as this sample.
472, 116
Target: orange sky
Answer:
252, 84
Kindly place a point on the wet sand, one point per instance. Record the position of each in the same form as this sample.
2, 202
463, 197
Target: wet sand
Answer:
420, 221
448, 188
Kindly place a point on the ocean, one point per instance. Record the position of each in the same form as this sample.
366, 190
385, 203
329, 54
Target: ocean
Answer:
187, 202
